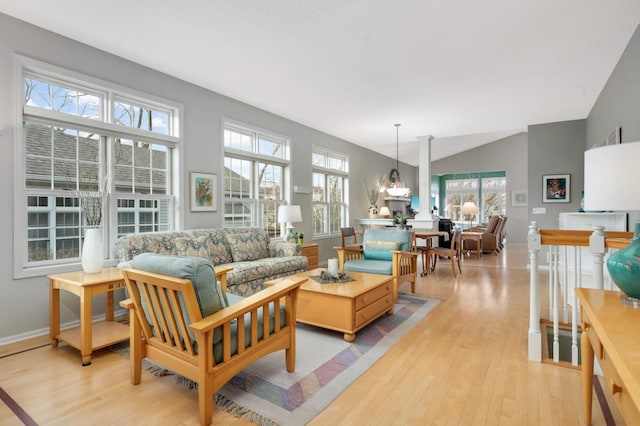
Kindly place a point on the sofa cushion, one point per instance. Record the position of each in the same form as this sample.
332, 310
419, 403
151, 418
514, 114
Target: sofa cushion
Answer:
380, 249
370, 266
199, 271
219, 251
194, 247
248, 245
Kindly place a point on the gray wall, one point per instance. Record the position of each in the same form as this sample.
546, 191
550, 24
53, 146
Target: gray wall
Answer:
619, 102
24, 303
509, 155
555, 148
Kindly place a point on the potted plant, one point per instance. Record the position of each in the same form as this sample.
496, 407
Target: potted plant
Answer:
400, 220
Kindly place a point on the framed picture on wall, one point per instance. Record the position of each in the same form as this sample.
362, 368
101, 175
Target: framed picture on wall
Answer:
203, 192
518, 198
556, 188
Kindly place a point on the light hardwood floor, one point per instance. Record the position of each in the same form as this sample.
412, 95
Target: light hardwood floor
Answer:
464, 364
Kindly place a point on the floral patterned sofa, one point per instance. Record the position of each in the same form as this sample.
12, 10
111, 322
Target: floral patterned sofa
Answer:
253, 256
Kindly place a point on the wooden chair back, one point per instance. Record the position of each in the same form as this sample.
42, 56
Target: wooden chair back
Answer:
350, 237
454, 252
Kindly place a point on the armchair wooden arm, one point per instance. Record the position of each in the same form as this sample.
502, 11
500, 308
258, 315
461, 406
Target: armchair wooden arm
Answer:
348, 253
164, 334
404, 268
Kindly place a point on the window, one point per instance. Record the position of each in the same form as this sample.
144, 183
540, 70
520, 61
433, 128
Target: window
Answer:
330, 187
494, 197
256, 167
486, 190
92, 153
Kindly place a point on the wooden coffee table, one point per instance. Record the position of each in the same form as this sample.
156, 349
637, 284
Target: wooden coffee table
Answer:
344, 307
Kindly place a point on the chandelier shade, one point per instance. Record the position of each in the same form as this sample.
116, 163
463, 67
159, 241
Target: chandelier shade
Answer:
393, 184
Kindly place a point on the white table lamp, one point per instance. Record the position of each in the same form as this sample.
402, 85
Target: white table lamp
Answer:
288, 215
611, 183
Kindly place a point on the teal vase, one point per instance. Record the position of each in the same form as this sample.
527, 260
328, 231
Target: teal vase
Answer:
624, 266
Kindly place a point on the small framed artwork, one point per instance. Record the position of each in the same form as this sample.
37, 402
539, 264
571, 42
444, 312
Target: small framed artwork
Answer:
556, 188
203, 192
613, 138
519, 198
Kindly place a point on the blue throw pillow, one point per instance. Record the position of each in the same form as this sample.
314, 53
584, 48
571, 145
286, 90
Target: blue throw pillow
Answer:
199, 271
380, 249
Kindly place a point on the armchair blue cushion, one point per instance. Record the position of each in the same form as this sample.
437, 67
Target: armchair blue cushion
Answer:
384, 252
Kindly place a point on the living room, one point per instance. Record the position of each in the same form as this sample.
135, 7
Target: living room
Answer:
545, 148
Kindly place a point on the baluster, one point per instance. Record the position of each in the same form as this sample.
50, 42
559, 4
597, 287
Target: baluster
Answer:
565, 285
556, 306
577, 282
596, 245
535, 338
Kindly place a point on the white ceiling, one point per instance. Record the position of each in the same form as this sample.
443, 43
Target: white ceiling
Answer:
467, 72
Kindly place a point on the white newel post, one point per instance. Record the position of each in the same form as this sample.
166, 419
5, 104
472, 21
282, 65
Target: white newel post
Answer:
596, 245
535, 337
92, 251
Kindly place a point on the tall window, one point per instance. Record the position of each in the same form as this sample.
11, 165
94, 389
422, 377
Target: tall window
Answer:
256, 166
485, 190
92, 154
459, 191
330, 187
494, 197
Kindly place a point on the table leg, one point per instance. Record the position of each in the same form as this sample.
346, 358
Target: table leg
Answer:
85, 327
108, 308
479, 245
587, 376
54, 313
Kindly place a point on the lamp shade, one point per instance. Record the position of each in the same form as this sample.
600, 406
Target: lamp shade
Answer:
384, 211
611, 178
289, 214
469, 208
611, 183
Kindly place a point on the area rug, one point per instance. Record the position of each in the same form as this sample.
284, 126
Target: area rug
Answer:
326, 365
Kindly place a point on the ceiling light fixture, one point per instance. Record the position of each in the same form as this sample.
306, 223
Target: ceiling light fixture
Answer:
394, 186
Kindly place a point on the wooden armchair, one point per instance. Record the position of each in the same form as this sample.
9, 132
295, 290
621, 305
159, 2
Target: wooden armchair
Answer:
385, 252
167, 326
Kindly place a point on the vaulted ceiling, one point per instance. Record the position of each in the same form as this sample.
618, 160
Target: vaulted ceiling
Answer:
467, 72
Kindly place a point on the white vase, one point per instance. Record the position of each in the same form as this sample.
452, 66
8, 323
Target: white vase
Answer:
92, 251
373, 211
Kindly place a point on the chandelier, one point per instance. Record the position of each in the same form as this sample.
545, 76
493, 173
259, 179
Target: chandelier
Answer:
393, 185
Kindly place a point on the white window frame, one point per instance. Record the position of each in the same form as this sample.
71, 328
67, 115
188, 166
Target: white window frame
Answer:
24, 66
326, 172
254, 157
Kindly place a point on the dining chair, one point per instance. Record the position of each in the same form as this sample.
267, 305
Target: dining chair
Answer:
350, 237
454, 252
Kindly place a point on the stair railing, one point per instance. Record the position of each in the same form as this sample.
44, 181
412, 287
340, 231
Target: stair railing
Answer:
565, 275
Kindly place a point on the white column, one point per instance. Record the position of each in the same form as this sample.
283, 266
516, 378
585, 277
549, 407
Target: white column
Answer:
423, 219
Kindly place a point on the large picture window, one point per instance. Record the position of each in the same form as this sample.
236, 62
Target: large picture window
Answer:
92, 155
330, 190
256, 167
488, 191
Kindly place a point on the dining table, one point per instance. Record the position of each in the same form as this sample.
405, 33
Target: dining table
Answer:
428, 237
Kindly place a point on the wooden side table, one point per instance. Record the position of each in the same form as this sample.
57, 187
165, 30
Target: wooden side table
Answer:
88, 337
609, 332
311, 251
471, 235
